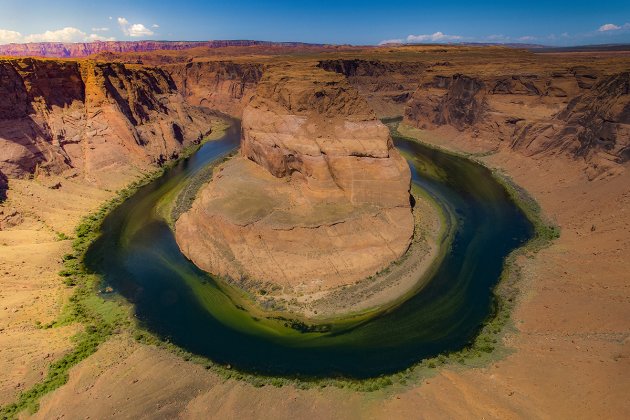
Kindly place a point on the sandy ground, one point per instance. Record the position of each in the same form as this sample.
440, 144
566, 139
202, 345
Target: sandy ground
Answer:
30, 288
570, 358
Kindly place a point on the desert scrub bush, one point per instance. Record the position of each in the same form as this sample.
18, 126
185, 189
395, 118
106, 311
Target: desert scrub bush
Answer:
62, 236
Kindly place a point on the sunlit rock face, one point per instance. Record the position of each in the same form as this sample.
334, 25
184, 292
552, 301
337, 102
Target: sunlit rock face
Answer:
318, 198
575, 113
99, 121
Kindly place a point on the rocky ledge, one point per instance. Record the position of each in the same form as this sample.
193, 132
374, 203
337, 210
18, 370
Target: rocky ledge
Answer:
318, 198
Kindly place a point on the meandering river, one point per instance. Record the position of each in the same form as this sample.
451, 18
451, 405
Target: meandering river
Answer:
138, 257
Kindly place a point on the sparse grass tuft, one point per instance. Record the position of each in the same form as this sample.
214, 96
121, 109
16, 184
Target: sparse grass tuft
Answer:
62, 236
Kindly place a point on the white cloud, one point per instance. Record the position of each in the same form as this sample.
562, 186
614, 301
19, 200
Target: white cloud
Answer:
155, 25
435, 37
100, 29
527, 38
133, 30
391, 41
67, 34
609, 27
8, 37
138, 29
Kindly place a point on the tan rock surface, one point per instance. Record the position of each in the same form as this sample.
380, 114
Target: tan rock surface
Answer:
225, 86
577, 113
319, 197
89, 119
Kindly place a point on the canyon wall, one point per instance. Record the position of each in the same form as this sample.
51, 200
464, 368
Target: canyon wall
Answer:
318, 198
576, 113
224, 86
313, 124
386, 85
95, 120
87, 116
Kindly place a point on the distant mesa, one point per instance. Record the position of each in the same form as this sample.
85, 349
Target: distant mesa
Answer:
84, 49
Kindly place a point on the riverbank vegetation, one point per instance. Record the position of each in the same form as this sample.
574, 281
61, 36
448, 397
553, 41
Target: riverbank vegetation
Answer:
99, 315
102, 314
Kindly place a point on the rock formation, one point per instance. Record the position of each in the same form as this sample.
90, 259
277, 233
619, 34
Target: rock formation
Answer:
224, 86
318, 198
84, 49
4, 185
598, 121
575, 113
386, 85
91, 118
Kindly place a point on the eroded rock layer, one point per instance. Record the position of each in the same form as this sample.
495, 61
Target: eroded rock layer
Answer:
84, 49
318, 198
225, 86
386, 85
4, 185
576, 113
88, 119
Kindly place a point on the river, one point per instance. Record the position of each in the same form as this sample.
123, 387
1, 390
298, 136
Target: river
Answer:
138, 257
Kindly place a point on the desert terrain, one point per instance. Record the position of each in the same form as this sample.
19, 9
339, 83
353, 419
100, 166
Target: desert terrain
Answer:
73, 131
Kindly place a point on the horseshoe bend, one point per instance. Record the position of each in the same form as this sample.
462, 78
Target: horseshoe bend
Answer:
318, 198
435, 226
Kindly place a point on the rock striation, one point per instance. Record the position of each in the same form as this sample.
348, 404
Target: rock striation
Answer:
598, 121
536, 104
576, 113
84, 49
318, 198
386, 85
225, 86
91, 119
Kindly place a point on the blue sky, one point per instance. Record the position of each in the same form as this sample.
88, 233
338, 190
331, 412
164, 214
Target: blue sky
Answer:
354, 22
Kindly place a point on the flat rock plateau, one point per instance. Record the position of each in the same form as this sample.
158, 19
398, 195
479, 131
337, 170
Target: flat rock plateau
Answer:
74, 130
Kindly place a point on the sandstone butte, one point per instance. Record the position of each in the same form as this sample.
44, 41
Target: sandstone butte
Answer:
318, 197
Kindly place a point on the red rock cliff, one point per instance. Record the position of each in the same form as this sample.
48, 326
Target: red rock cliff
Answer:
574, 113
91, 118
